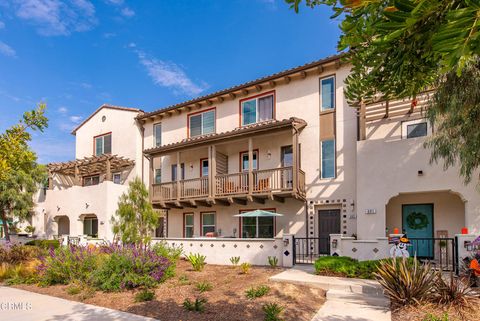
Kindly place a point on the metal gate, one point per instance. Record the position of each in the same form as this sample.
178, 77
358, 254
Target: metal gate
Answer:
307, 249
441, 253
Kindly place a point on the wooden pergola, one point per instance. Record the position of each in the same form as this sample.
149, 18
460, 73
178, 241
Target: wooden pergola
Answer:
90, 166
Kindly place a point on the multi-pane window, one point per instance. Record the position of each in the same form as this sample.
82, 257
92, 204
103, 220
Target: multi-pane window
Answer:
201, 123
328, 158
258, 227
174, 172
287, 156
158, 176
91, 180
157, 134
244, 160
90, 226
257, 109
117, 178
327, 93
188, 225
208, 223
103, 144
204, 167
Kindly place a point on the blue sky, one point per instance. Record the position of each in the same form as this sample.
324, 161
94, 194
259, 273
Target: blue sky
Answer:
75, 55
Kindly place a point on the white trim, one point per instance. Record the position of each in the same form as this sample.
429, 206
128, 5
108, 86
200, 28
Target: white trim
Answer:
334, 94
256, 108
155, 134
407, 123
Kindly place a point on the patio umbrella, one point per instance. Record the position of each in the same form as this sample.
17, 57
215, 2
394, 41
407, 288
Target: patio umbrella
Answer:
258, 213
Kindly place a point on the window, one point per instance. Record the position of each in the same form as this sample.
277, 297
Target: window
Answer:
244, 160
208, 223
257, 109
91, 180
90, 226
174, 172
258, 227
202, 123
328, 159
117, 178
415, 128
160, 230
158, 176
188, 225
103, 144
287, 156
204, 167
157, 134
327, 93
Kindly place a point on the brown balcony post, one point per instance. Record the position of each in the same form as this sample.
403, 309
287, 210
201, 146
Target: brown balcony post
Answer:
77, 176
213, 171
295, 160
362, 122
50, 180
150, 177
250, 166
179, 175
108, 175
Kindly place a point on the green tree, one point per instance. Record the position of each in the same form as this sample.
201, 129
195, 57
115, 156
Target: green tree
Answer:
136, 218
399, 48
20, 175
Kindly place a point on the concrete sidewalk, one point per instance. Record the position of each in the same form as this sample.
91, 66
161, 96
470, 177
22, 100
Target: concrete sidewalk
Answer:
347, 299
20, 305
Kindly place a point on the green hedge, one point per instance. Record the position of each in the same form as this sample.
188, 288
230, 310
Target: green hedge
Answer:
45, 244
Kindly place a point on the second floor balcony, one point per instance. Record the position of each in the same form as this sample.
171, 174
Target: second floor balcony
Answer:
249, 164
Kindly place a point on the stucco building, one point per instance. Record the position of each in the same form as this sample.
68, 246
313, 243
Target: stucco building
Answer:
287, 143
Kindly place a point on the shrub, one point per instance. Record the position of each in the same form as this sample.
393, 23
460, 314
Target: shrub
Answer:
235, 260
431, 317
273, 261
197, 260
272, 311
245, 267
130, 267
16, 253
198, 305
257, 292
44, 244
204, 286
67, 264
25, 272
183, 280
144, 295
172, 253
452, 292
74, 289
406, 283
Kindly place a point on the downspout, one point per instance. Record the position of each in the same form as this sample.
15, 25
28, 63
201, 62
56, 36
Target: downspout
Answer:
142, 129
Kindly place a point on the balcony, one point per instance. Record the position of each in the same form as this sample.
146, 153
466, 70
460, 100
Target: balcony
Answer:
245, 165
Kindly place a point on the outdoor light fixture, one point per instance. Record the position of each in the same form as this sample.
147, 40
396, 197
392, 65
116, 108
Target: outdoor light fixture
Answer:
420, 173
269, 154
334, 243
87, 205
58, 208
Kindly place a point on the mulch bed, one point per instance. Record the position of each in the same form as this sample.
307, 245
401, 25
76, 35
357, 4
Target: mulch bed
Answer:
226, 301
423, 312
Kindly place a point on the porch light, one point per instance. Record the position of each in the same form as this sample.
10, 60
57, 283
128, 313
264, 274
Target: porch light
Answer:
396, 230
464, 230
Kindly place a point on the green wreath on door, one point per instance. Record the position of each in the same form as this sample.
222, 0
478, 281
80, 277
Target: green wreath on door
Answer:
417, 221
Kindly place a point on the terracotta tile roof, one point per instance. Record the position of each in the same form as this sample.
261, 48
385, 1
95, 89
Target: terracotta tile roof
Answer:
239, 131
109, 107
246, 84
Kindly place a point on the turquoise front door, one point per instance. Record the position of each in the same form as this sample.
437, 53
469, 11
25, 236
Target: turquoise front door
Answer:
417, 222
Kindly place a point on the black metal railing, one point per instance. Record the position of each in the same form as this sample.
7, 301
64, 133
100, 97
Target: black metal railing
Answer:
440, 252
308, 249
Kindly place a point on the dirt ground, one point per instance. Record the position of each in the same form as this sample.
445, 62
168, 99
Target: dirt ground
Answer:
421, 313
226, 300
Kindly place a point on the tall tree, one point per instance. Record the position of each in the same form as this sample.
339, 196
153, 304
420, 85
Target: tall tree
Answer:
20, 175
399, 48
136, 218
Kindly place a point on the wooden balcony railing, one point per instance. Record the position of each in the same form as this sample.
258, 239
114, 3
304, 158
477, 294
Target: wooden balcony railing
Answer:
265, 181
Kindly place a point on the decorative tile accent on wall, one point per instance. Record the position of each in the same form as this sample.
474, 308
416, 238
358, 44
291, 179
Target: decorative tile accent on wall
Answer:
223, 245
375, 250
248, 246
235, 245
354, 250
211, 245
261, 246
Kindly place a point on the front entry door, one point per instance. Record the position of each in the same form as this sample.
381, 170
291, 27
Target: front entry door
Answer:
328, 223
417, 223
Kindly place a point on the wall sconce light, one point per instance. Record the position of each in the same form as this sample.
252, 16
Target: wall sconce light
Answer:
269, 154
420, 173
87, 205
102, 222
334, 243
58, 208
286, 241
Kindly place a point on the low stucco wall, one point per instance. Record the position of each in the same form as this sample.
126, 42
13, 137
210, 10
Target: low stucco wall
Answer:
220, 250
361, 250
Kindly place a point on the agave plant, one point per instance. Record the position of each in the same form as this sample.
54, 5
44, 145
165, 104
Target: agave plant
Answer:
452, 292
405, 282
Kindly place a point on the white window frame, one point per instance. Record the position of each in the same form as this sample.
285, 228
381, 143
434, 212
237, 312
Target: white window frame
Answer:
406, 123
334, 159
157, 170
103, 144
155, 144
214, 222
185, 224
119, 175
201, 114
256, 108
334, 94
202, 162
254, 167
257, 226
90, 178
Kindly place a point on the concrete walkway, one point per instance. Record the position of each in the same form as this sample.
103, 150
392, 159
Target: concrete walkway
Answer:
20, 305
347, 299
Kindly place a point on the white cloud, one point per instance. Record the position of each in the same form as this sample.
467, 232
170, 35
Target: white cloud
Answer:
170, 75
115, 2
53, 149
75, 119
6, 50
55, 18
2, 24
108, 35
127, 12
86, 85
62, 110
